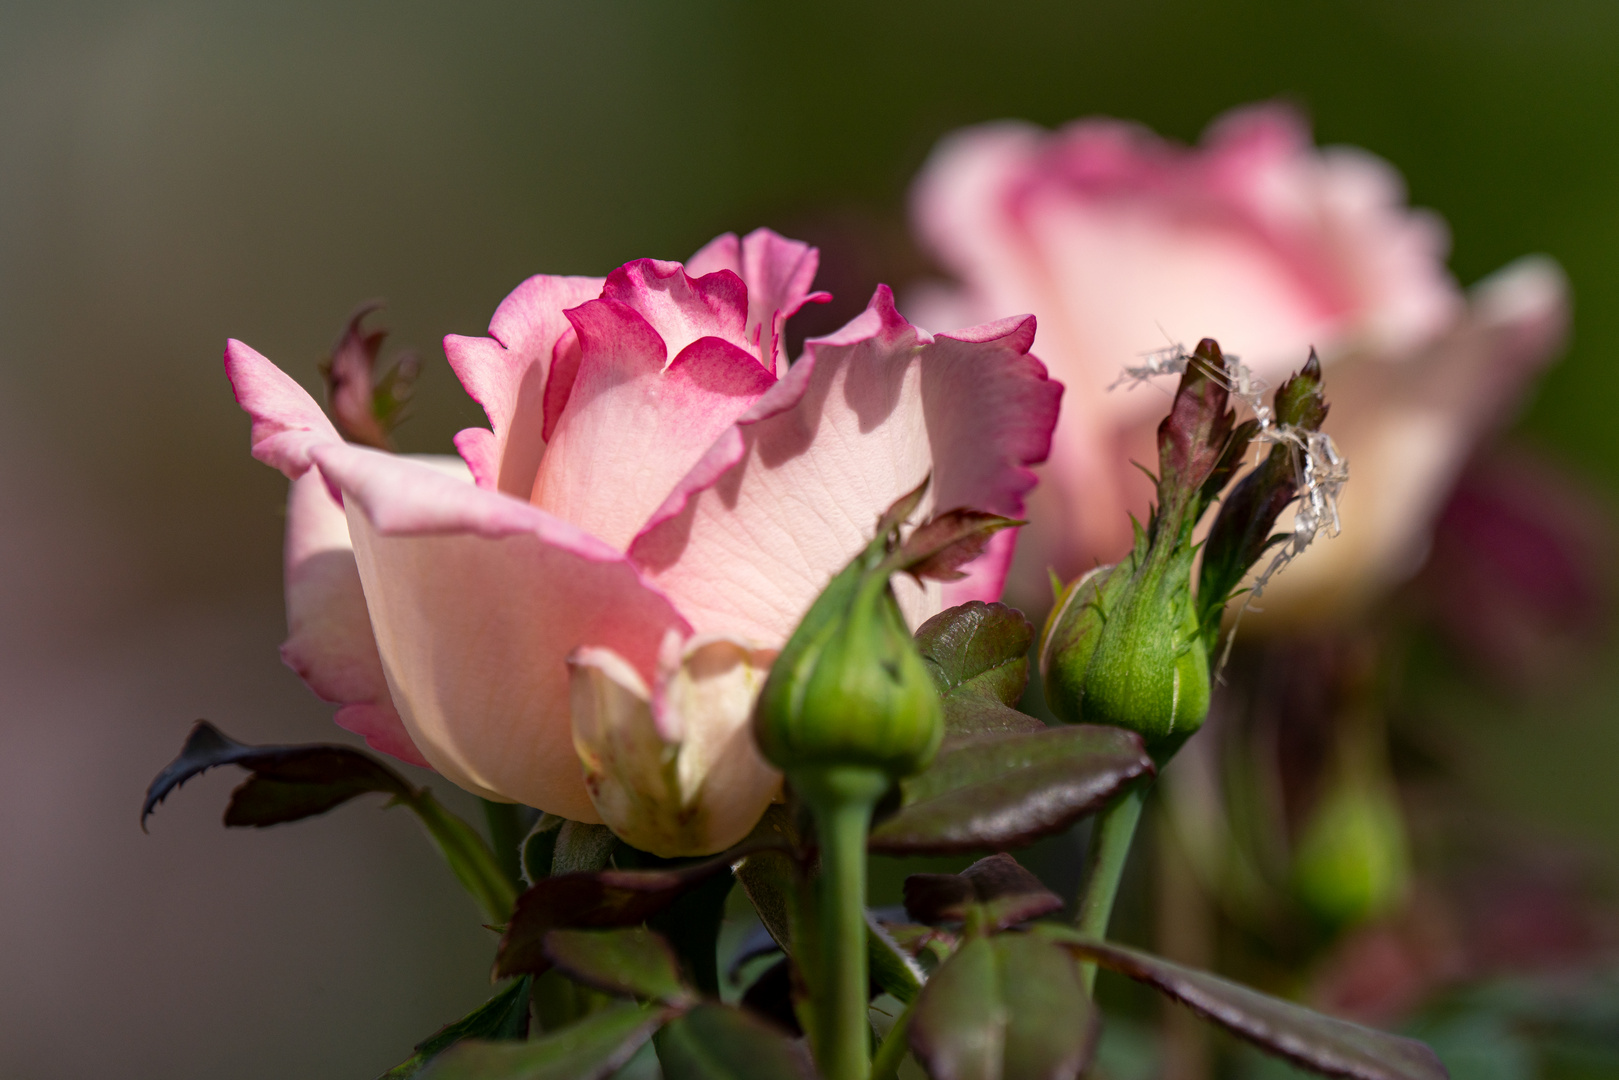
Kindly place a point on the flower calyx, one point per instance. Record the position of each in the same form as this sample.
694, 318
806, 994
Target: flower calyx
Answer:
1241, 534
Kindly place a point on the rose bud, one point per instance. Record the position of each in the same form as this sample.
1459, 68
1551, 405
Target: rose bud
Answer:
1123, 646
366, 400
1352, 862
850, 687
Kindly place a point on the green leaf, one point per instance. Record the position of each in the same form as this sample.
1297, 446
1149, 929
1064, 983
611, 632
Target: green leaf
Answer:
1008, 1007
978, 655
773, 877
630, 960
592, 1049
293, 782
718, 1042
593, 901
891, 968
992, 893
504, 1016
1001, 791
1307, 1038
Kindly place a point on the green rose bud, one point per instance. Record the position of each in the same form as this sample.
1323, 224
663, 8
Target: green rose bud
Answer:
849, 687
1122, 648
1352, 861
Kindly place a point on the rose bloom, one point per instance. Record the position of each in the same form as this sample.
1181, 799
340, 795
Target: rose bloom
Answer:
580, 617
1122, 243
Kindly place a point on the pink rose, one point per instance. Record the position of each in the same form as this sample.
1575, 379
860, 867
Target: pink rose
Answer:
657, 501
1122, 243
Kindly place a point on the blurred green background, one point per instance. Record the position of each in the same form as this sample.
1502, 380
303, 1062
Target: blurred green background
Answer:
173, 173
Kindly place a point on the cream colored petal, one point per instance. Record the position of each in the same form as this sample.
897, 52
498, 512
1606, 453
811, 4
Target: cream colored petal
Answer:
674, 770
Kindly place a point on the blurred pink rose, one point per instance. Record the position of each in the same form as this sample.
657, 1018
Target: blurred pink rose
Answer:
658, 500
1122, 243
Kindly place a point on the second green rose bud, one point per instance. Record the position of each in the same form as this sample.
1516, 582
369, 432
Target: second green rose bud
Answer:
1122, 648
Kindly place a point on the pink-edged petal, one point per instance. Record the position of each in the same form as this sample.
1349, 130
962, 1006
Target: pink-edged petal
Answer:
287, 423
778, 273
634, 427
565, 359
679, 307
990, 410
329, 640
477, 599
859, 421
506, 374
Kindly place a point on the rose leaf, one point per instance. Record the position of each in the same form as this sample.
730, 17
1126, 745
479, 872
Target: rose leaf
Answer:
1320, 1043
1001, 791
719, 1042
1009, 1006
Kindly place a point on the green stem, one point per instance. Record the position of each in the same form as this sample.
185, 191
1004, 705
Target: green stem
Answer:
1104, 866
474, 865
885, 1065
841, 798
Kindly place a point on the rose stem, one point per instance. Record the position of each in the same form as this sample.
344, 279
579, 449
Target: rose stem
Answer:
841, 798
1104, 863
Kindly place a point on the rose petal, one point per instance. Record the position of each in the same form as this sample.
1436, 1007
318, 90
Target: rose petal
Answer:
506, 374
477, 599
674, 771
632, 427
287, 424
679, 307
329, 640
991, 410
778, 273
789, 495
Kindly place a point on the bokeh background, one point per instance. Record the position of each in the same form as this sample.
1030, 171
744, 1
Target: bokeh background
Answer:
173, 173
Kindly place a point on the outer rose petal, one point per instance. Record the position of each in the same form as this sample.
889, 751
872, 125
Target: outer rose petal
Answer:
790, 494
1408, 428
506, 374
632, 428
329, 640
674, 771
287, 424
778, 273
477, 599
990, 411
